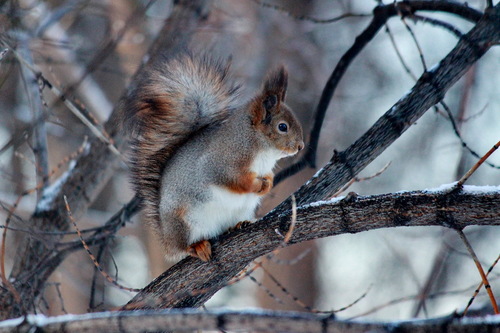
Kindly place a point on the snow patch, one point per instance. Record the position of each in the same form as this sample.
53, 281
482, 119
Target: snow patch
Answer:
470, 189
12, 322
481, 189
441, 189
316, 174
324, 202
50, 192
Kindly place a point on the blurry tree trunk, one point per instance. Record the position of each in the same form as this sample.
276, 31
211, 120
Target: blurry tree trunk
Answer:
84, 182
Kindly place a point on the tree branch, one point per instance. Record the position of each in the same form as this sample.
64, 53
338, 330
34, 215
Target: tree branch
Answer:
190, 283
381, 15
223, 320
429, 90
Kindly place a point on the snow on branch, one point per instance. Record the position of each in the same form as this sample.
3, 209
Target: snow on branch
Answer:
190, 283
225, 320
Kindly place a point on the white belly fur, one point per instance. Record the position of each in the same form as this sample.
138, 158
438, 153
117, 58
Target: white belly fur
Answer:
222, 211
225, 208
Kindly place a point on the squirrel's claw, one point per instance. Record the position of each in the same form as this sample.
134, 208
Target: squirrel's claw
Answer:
263, 184
241, 225
201, 250
238, 226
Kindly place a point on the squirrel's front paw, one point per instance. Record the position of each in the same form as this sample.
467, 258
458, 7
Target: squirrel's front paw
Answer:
201, 250
266, 183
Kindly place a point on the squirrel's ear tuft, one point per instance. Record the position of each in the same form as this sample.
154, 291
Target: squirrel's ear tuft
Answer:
273, 93
277, 83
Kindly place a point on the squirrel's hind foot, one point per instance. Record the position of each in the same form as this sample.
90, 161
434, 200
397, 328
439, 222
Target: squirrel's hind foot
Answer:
201, 250
240, 225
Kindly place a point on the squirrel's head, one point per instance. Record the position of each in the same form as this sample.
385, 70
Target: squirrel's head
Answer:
271, 116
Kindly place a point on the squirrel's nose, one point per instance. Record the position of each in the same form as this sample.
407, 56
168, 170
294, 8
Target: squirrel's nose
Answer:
300, 146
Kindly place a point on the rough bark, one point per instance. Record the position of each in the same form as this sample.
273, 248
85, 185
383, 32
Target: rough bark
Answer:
253, 321
190, 283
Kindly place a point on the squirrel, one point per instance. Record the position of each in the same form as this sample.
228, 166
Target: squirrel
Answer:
201, 159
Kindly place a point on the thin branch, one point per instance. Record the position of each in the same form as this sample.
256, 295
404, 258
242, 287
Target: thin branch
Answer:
109, 46
462, 141
306, 307
476, 292
91, 255
439, 261
411, 298
417, 44
38, 106
438, 23
478, 164
306, 17
398, 53
360, 179
51, 32
480, 270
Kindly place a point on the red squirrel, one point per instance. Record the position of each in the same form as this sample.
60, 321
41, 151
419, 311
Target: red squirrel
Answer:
201, 159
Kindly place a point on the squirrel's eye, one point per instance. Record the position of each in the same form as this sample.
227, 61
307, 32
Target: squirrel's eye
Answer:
283, 127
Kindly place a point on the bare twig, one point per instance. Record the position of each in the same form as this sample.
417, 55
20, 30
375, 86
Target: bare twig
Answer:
305, 306
292, 261
91, 255
360, 179
306, 17
417, 44
484, 278
477, 165
398, 53
438, 23
462, 141
476, 292
411, 298
38, 106
109, 46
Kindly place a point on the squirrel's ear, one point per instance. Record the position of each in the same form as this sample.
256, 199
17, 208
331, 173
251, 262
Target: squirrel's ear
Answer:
273, 93
276, 84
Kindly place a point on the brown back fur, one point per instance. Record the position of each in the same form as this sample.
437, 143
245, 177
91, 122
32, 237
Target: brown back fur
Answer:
172, 101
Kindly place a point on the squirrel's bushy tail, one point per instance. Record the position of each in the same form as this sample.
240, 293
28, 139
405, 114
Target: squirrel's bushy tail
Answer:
171, 101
